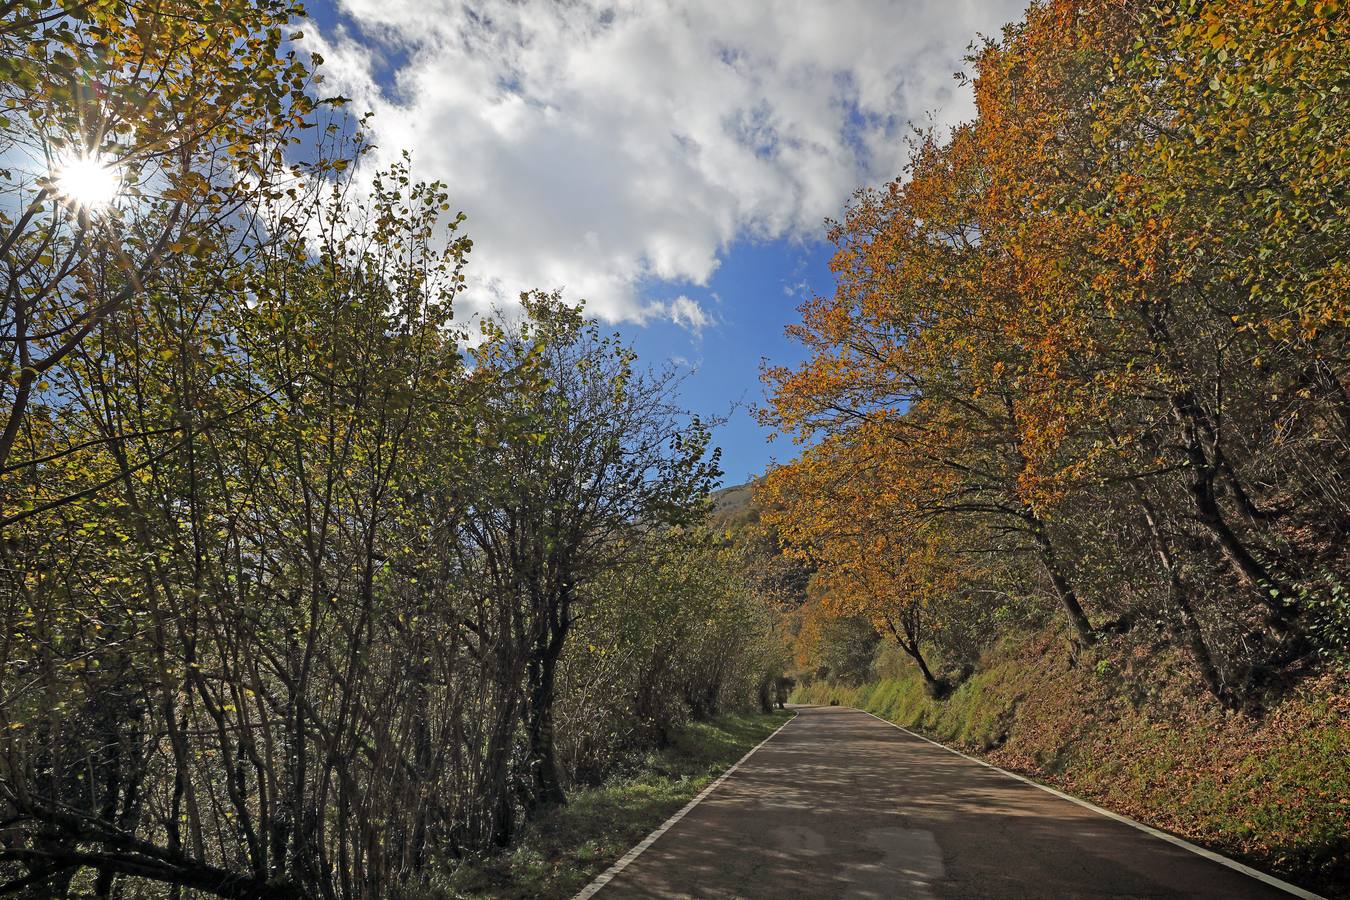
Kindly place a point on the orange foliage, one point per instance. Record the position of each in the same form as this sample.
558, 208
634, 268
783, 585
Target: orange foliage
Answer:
1136, 244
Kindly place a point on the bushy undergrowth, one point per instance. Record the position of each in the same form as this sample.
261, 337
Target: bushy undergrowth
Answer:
564, 849
1273, 790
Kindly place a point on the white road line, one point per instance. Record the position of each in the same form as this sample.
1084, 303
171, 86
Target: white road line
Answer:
1170, 838
606, 876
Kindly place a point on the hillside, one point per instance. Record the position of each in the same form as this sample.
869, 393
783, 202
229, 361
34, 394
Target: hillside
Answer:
733, 506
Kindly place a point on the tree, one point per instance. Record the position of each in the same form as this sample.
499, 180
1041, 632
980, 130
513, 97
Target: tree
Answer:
176, 114
1102, 325
908, 354
242, 625
1161, 176
579, 456
878, 556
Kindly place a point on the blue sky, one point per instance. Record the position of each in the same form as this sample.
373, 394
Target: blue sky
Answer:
749, 297
672, 163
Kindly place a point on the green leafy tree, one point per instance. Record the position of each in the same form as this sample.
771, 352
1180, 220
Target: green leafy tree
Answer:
575, 459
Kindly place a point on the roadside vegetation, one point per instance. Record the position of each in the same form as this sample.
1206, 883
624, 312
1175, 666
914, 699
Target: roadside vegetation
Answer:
1270, 791
561, 852
1077, 490
311, 587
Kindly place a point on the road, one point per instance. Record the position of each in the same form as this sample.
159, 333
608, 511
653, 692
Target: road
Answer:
842, 805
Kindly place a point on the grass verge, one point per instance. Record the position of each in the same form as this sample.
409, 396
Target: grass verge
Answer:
559, 853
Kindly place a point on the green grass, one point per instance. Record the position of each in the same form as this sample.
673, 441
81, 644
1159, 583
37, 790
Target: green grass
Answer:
561, 851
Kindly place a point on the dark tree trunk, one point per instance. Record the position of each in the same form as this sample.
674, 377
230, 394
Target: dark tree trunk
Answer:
923, 666
1201, 443
547, 789
545, 782
1201, 485
702, 698
907, 639
1032, 522
499, 826
1068, 598
1180, 598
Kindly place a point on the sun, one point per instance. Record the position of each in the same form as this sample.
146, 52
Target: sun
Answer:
87, 182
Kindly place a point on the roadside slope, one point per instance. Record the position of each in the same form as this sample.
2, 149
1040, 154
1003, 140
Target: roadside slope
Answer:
1273, 792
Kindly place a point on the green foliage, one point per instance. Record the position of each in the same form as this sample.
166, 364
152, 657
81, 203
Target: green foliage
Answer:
1329, 619
290, 564
677, 633
845, 650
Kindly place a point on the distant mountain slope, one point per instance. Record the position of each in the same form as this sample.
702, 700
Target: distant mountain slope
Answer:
778, 578
734, 505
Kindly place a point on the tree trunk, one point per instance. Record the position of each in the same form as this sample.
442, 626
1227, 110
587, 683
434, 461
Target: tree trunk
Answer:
498, 826
1068, 598
1272, 591
546, 785
547, 789
907, 639
1034, 524
1180, 598
923, 666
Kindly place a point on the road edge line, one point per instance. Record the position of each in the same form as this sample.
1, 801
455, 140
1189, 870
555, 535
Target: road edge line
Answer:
623, 862
1219, 858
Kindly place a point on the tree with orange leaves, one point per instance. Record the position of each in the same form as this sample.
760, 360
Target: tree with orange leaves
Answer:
1181, 288
878, 554
908, 353
1107, 322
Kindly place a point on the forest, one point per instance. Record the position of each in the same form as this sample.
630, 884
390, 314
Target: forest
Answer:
309, 588
313, 586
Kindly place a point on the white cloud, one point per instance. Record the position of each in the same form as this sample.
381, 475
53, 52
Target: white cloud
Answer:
688, 314
684, 312
600, 146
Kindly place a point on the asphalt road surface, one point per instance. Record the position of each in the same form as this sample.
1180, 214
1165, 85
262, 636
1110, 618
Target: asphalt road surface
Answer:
840, 804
